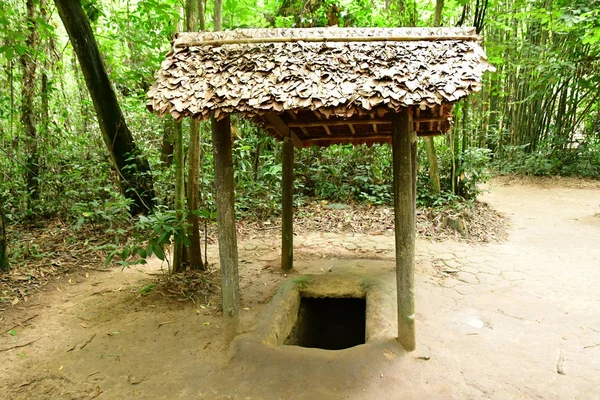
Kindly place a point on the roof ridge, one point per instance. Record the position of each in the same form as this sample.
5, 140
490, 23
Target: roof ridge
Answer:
333, 34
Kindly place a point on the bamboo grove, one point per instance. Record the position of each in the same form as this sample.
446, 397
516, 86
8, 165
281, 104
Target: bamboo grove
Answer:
539, 113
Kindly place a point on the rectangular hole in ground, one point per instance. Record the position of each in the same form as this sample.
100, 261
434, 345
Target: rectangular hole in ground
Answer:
329, 323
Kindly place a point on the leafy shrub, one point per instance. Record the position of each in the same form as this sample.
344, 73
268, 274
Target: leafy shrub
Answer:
582, 160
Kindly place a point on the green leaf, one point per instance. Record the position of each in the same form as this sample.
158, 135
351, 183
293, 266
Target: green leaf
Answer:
12, 332
149, 248
146, 289
141, 252
159, 252
163, 236
109, 258
126, 253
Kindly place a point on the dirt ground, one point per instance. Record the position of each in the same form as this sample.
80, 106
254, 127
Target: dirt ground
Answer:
516, 319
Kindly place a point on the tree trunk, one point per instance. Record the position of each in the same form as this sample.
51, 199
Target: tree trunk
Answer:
28, 64
439, 8
135, 174
179, 249
434, 169
3, 244
218, 15
193, 188
49, 47
166, 153
202, 14
178, 246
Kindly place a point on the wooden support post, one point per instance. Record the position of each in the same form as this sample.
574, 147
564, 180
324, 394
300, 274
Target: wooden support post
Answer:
287, 206
228, 251
404, 156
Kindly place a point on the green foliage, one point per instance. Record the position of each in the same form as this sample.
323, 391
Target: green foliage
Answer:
151, 235
472, 171
346, 173
467, 169
582, 160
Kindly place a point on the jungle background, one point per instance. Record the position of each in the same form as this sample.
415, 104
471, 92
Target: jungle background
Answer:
69, 184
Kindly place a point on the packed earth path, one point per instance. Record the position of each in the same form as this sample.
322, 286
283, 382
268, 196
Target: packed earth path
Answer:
516, 319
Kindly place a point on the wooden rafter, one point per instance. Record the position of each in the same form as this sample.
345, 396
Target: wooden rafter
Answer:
295, 118
274, 122
326, 127
373, 124
370, 137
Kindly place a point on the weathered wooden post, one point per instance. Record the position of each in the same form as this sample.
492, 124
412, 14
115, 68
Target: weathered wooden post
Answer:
287, 206
404, 148
228, 251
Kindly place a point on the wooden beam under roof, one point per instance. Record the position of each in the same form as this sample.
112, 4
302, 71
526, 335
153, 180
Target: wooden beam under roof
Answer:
364, 138
361, 121
326, 127
278, 125
295, 118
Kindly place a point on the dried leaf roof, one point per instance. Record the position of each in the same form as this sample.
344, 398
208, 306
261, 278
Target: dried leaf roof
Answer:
345, 73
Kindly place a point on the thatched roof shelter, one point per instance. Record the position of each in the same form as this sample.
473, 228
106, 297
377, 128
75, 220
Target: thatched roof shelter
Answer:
322, 86
328, 85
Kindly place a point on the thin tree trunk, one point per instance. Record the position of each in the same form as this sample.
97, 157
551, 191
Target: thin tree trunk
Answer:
434, 169
45, 95
178, 246
134, 170
193, 188
166, 153
439, 8
3, 244
202, 14
179, 250
256, 162
29, 66
218, 15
